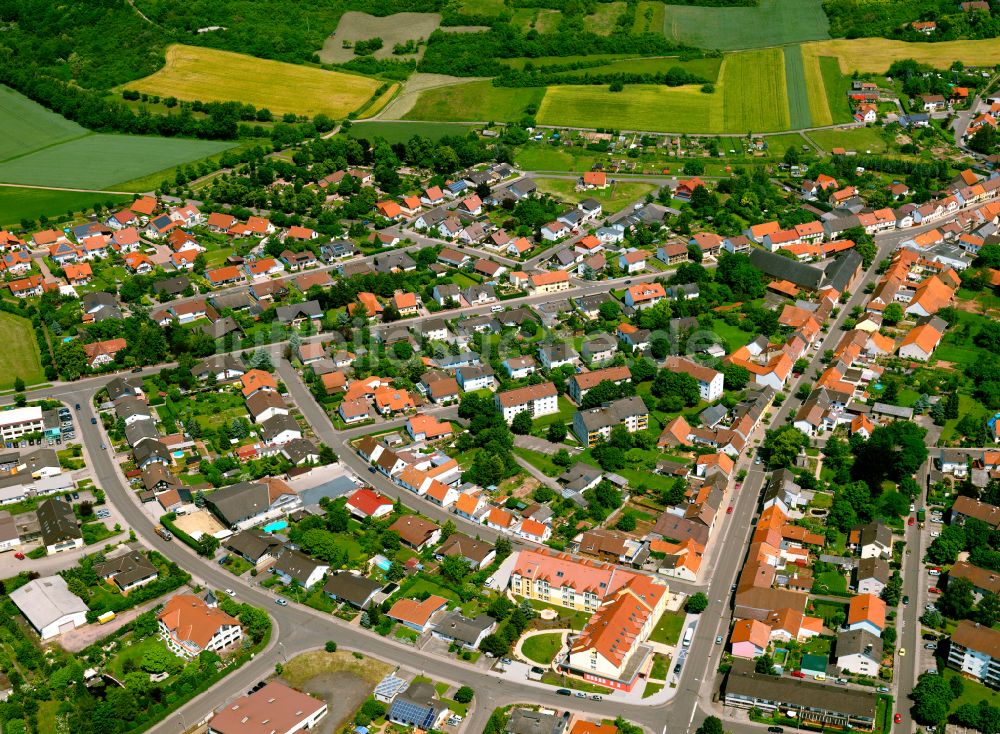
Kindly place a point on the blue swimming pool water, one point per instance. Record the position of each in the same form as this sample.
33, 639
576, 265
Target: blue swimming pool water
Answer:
178, 454
273, 527
383, 563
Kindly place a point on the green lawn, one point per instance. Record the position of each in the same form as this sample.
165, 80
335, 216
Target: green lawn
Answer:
563, 681
100, 161
20, 357
661, 667
836, 85
540, 461
571, 618
828, 610
542, 648
733, 336
651, 689
132, 652
474, 101
769, 23
972, 691
668, 628
830, 582
420, 584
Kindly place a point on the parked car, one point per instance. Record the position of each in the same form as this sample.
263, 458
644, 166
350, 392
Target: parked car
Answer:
729, 510
906, 600
798, 674
564, 692
77, 406
718, 640
902, 652
775, 730
230, 592
19, 556
933, 572
281, 602
934, 590
581, 694
897, 718
93, 421
597, 697
930, 646
911, 521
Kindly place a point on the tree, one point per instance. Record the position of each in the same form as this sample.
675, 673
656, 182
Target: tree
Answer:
330, 646
522, 423
946, 547
957, 599
464, 694
764, 665
735, 376
609, 310
932, 697
71, 359
207, 545
156, 659
556, 433
988, 610
626, 523
782, 445
18, 384
713, 724
892, 314
255, 622
696, 603
454, 568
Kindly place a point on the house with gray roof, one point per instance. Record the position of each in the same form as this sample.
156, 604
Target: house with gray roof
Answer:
352, 588
455, 627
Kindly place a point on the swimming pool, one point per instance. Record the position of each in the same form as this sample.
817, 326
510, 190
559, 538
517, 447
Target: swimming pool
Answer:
273, 527
382, 562
178, 454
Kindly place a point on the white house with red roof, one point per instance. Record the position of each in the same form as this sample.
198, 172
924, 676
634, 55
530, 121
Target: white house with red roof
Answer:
366, 502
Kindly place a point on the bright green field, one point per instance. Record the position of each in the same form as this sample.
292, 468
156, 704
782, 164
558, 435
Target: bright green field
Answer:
99, 161
400, 132
771, 23
836, 86
474, 101
638, 107
857, 138
624, 64
796, 88
18, 203
28, 126
753, 85
538, 157
20, 355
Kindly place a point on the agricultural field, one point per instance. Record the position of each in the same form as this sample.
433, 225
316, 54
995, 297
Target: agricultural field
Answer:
100, 161
602, 20
875, 55
613, 199
400, 132
392, 29
196, 73
640, 107
28, 126
819, 98
860, 139
536, 157
20, 356
648, 17
21, 203
771, 23
797, 88
474, 101
543, 20
753, 87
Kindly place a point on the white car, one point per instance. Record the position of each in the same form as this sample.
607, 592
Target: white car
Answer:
230, 592
935, 534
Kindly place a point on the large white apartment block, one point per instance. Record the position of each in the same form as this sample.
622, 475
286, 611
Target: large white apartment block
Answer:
20, 421
541, 399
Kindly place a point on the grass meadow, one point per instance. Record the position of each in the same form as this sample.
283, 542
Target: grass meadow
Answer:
474, 101
20, 356
100, 161
196, 73
771, 23
400, 132
28, 126
20, 203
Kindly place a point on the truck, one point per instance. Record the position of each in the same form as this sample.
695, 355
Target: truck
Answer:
106, 617
921, 514
688, 634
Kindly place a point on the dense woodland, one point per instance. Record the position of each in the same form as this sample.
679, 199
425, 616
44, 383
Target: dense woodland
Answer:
860, 18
